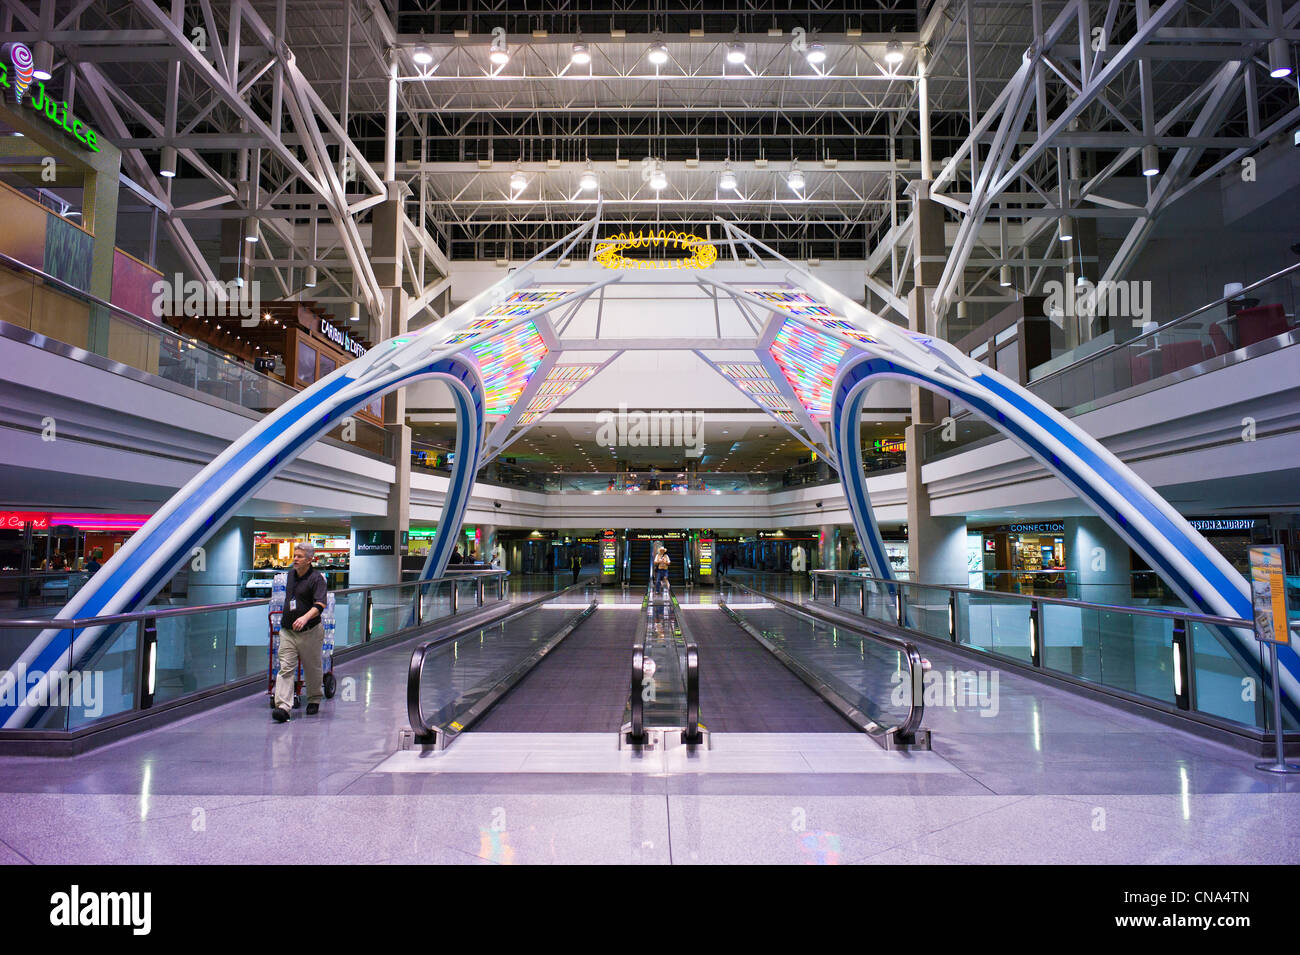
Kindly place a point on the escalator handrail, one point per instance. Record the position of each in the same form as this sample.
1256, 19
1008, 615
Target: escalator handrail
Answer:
424, 731
692, 731
915, 664
636, 703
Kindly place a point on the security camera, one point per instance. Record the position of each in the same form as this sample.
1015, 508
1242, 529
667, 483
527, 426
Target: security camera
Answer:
659, 510
819, 504
498, 504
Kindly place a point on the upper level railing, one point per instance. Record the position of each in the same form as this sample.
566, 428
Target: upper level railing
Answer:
63, 319
1233, 328
428, 458
166, 655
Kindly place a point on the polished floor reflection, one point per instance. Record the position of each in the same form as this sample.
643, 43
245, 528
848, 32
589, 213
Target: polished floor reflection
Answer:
1019, 773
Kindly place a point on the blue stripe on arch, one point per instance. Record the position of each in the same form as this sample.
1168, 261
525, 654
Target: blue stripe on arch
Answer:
1167, 529
216, 486
869, 367
61, 644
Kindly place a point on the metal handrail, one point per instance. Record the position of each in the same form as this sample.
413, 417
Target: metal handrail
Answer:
1116, 346
142, 323
1223, 300
426, 732
81, 623
1191, 615
635, 702
691, 734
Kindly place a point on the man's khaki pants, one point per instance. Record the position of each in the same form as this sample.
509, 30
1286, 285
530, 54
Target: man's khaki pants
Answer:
295, 645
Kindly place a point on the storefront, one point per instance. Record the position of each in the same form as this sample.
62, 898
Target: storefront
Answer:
273, 553
297, 343
44, 555
773, 550
1024, 558
36, 541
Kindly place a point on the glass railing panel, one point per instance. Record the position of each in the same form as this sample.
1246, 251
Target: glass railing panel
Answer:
871, 675
458, 674
115, 676
392, 610
926, 609
997, 624
1223, 686
1072, 640
16, 293
349, 619
881, 599
191, 653
1137, 653
1262, 316
250, 632
665, 698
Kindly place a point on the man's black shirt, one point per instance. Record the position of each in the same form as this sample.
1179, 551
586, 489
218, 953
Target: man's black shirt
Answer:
300, 595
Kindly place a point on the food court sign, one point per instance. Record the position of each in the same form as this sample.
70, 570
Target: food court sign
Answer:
17, 73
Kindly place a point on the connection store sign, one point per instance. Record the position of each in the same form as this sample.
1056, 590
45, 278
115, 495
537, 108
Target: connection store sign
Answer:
17, 69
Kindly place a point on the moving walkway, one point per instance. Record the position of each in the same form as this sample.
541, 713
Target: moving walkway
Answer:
560, 665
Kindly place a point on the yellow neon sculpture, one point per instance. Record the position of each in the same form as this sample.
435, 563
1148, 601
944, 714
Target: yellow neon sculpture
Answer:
609, 252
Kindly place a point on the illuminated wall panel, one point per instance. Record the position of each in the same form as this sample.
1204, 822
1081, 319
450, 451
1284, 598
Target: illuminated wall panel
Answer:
562, 381
507, 361
808, 360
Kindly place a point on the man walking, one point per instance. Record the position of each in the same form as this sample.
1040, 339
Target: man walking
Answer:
301, 633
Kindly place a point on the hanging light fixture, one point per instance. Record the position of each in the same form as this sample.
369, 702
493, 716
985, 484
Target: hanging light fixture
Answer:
1150, 160
816, 53
422, 56
517, 181
354, 312
250, 229
962, 311
581, 54
1067, 228
588, 180
735, 53
500, 55
310, 280
658, 54
43, 60
728, 178
893, 52
658, 180
795, 179
1004, 276
167, 163
1279, 58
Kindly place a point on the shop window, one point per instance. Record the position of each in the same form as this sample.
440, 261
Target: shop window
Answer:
305, 372
1009, 361
325, 365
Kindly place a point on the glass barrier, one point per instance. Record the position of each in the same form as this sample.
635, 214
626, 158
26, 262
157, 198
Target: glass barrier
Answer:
40, 589
1135, 650
433, 460
45, 306
871, 675
1259, 318
196, 649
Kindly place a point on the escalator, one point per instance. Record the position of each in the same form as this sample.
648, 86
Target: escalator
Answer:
566, 665
746, 689
580, 687
640, 555
561, 664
